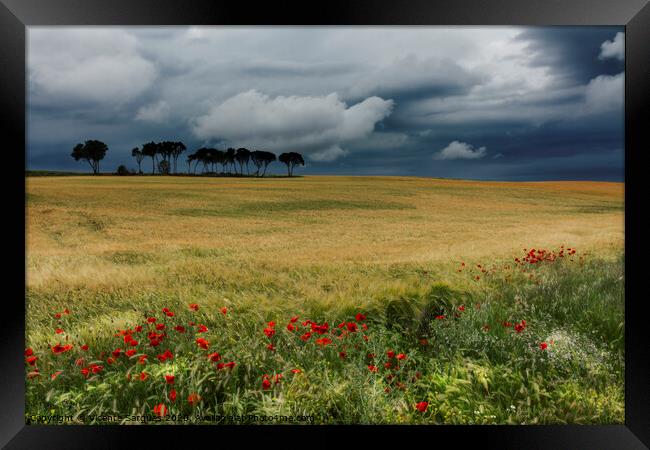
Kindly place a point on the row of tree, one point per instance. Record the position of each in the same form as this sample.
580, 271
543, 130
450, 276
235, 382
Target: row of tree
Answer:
164, 157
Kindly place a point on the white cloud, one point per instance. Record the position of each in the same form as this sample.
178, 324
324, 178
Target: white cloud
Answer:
604, 94
316, 125
155, 112
460, 150
613, 49
96, 65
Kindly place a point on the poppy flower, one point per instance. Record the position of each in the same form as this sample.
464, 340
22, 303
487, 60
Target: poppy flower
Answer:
33, 374
390, 354
143, 376
85, 371
169, 314
440, 317
296, 370
268, 331
401, 356
305, 337
543, 346
320, 329
194, 306
193, 398
422, 406
151, 319
58, 331
230, 364
290, 327
130, 352
133, 342
66, 311
202, 343
143, 359
214, 357
201, 329
29, 352
31, 360
352, 327
172, 395
424, 341
180, 328
364, 327
138, 328
95, 368
160, 326
270, 347
116, 352
80, 362
57, 315
58, 348
323, 341
372, 368
360, 317
55, 374
461, 308
224, 310
371, 355
165, 310
387, 365
160, 410
342, 355
293, 319
110, 360
221, 366
266, 384
169, 379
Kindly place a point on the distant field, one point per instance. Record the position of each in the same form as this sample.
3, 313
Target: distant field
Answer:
115, 250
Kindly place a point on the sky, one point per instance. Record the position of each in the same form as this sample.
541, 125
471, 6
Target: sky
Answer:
490, 103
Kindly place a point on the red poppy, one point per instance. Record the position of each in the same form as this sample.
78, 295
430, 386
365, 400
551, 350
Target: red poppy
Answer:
143, 359
221, 366
360, 317
58, 331
543, 346
364, 327
305, 337
194, 307
58, 348
323, 341
270, 347
29, 352
202, 343
172, 395
296, 370
169, 379
80, 362
31, 360
401, 356
55, 374
193, 398
138, 328
133, 342
268, 331
33, 374
371, 355
151, 319
290, 327
390, 354
224, 310
352, 327
387, 365
85, 371
441, 317
342, 355
130, 352
66, 311
160, 410
461, 308
109, 360
266, 384
143, 376
423, 341
160, 326
116, 352
57, 315
422, 406
95, 368
169, 314
180, 328
293, 319
202, 329
320, 329
372, 368
214, 357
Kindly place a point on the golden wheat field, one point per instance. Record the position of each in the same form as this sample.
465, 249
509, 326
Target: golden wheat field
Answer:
116, 249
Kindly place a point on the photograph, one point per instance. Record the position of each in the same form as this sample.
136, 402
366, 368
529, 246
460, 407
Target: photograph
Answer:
325, 225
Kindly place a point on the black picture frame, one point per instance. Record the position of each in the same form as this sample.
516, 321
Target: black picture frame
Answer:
16, 15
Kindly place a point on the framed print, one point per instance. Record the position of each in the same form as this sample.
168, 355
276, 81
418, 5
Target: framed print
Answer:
408, 216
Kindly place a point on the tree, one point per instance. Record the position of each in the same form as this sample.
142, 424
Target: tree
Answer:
139, 156
262, 159
91, 151
291, 159
176, 149
163, 167
230, 158
242, 156
150, 149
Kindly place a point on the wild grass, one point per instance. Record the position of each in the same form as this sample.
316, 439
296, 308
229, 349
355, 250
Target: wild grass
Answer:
116, 250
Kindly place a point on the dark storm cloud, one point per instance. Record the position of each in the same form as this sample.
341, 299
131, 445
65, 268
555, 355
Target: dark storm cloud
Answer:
462, 102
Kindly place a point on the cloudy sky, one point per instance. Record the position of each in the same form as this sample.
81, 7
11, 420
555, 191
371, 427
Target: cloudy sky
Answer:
507, 103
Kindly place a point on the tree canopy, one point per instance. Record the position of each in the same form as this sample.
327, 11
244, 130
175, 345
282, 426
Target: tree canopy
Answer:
291, 159
91, 151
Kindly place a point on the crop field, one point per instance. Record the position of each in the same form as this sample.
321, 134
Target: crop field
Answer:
322, 299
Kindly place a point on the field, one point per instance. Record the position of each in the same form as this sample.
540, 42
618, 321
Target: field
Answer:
411, 306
